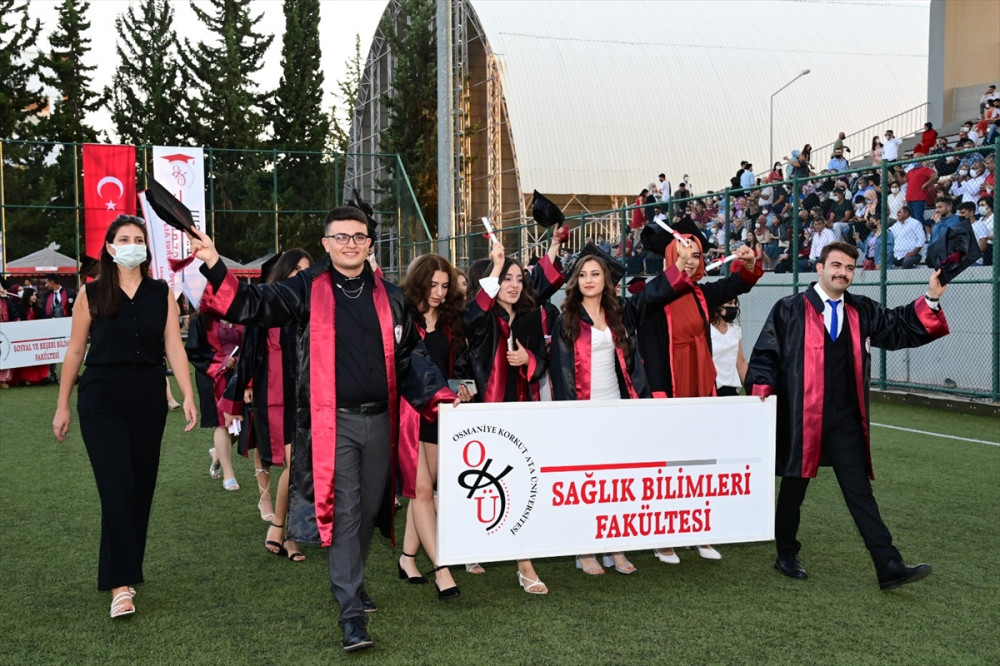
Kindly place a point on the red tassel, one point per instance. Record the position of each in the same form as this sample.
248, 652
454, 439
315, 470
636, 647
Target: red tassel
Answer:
177, 265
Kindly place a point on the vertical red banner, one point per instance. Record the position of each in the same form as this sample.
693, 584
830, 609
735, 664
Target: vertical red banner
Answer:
108, 190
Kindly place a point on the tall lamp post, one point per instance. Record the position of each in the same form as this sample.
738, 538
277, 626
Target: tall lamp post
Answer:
800, 75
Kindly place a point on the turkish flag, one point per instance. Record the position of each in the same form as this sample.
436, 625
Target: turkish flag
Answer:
108, 190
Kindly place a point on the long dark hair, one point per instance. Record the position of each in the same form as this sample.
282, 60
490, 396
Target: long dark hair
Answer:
287, 263
479, 269
417, 284
107, 300
573, 305
526, 302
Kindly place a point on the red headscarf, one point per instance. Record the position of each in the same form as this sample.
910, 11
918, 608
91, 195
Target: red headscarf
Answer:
671, 256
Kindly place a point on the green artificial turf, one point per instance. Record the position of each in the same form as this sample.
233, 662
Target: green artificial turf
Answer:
213, 595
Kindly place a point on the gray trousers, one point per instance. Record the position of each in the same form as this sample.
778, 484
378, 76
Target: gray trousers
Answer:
360, 477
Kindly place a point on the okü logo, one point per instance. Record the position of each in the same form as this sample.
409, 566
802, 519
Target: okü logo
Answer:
486, 489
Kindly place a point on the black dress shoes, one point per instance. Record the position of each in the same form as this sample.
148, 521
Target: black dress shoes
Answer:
790, 566
355, 635
367, 603
896, 573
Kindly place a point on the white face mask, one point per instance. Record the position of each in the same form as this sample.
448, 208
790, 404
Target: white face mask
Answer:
894, 189
983, 210
129, 256
963, 172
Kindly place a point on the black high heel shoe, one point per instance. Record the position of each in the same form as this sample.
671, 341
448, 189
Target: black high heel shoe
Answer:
412, 580
443, 595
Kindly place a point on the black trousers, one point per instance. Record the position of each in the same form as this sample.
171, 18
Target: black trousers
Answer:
843, 449
122, 414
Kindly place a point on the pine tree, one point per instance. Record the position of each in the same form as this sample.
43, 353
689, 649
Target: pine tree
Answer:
412, 104
66, 70
146, 93
20, 98
226, 112
305, 178
26, 178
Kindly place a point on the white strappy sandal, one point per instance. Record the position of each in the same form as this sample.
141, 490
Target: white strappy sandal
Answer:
119, 607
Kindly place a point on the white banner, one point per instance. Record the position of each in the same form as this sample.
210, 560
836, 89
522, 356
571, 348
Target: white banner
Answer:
182, 171
563, 478
37, 342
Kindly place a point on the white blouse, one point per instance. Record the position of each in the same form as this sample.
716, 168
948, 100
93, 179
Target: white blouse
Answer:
725, 347
603, 378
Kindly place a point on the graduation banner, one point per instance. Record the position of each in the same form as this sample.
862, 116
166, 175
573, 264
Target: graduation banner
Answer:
108, 190
544, 479
181, 170
37, 342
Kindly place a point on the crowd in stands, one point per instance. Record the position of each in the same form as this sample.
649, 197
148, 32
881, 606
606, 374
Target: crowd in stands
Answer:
922, 199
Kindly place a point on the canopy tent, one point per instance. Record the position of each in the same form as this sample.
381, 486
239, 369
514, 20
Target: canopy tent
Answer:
41, 263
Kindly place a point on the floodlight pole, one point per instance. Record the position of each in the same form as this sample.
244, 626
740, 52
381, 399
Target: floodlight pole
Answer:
445, 129
770, 161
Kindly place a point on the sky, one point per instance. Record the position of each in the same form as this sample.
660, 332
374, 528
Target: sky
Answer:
340, 21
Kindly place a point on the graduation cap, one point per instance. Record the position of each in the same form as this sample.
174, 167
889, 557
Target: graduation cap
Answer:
635, 284
544, 211
656, 238
168, 207
527, 329
954, 251
617, 268
364, 207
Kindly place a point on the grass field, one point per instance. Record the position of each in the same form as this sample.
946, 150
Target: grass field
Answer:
214, 596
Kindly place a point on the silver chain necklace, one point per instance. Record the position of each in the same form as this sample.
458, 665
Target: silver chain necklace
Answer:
352, 294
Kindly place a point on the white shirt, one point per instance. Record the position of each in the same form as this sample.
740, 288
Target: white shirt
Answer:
603, 377
890, 149
907, 236
896, 201
725, 347
983, 229
665, 191
819, 241
828, 309
970, 188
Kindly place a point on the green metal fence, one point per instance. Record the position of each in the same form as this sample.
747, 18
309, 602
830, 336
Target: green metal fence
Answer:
257, 201
965, 363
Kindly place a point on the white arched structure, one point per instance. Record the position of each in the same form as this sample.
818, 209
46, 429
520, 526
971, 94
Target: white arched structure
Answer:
588, 102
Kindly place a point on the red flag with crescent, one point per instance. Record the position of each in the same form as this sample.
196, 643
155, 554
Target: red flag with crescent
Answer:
108, 190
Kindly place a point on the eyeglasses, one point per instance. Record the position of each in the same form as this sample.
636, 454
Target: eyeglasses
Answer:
343, 239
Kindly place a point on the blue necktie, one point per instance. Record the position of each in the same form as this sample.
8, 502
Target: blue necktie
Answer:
833, 320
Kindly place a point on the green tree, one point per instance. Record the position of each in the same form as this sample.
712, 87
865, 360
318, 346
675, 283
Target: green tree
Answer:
412, 104
147, 93
27, 181
226, 112
65, 69
300, 129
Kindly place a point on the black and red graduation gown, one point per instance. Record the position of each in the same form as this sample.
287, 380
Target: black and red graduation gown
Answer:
307, 300
267, 365
66, 301
487, 329
655, 344
571, 368
208, 347
788, 361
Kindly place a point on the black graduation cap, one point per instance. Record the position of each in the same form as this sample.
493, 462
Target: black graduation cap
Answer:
656, 238
168, 208
88, 265
954, 251
617, 268
364, 207
527, 329
545, 212
268, 266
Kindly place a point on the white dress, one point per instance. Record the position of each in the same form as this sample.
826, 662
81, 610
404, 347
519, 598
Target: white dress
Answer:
725, 347
603, 377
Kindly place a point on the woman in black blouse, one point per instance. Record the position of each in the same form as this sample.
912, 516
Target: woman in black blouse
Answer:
131, 321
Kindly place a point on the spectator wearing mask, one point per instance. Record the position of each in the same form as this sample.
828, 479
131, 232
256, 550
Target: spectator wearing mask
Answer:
876, 152
890, 149
871, 247
927, 139
603, 244
727, 349
908, 238
920, 181
775, 174
983, 229
896, 198
940, 147
988, 97
970, 184
839, 144
974, 134
837, 162
970, 158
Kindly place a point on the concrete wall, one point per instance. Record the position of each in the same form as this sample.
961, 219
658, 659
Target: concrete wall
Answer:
963, 51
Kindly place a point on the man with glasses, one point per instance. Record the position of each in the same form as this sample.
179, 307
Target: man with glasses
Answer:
351, 378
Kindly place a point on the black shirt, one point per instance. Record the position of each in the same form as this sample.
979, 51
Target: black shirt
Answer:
134, 336
360, 355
